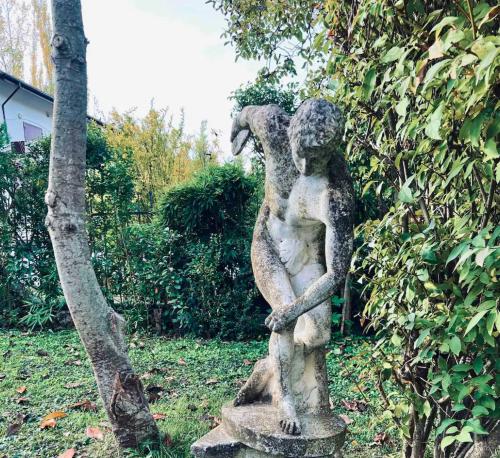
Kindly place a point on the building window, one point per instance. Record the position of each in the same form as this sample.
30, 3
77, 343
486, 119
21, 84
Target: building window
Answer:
31, 132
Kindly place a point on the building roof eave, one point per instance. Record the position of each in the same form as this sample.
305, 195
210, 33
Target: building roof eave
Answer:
28, 87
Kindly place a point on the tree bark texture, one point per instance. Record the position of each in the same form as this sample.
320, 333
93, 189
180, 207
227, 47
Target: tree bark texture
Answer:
100, 328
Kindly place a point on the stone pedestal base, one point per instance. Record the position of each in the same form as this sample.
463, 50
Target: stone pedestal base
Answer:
252, 431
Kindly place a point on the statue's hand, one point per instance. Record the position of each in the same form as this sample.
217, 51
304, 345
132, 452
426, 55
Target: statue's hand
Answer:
240, 122
279, 319
239, 134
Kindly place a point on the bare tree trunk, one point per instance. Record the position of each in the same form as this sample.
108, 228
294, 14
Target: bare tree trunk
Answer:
100, 328
347, 307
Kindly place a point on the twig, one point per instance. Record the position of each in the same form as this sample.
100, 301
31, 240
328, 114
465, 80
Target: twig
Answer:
480, 183
425, 212
430, 423
471, 19
489, 204
349, 373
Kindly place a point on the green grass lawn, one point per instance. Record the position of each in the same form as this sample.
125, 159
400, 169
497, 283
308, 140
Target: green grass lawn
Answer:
196, 377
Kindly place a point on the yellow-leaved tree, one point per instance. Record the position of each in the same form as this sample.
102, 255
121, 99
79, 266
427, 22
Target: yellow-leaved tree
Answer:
163, 153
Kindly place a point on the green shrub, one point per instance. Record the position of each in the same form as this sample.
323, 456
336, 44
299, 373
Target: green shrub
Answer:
191, 268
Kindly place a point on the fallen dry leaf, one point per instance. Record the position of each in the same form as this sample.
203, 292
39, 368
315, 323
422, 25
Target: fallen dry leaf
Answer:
204, 404
181, 362
2, 376
359, 389
73, 385
214, 421
211, 381
346, 419
22, 400
56, 414
21, 389
167, 441
84, 405
94, 433
355, 406
70, 453
154, 392
247, 362
14, 427
159, 416
380, 438
50, 423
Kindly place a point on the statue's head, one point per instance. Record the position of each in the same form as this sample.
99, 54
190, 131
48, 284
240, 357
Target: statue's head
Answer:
314, 130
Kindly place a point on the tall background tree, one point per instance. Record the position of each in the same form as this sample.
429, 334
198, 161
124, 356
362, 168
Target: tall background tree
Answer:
163, 154
41, 64
100, 328
418, 83
25, 32
13, 36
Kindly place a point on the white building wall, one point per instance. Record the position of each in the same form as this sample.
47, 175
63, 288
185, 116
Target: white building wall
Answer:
24, 106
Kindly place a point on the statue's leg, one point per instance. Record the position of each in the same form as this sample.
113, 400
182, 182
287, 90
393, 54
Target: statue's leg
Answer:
256, 384
281, 350
312, 333
274, 283
313, 328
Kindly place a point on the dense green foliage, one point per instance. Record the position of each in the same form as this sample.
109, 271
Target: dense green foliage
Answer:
190, 269
27, 270
186, 272
4, 138
261, 93
193, 380
28, 276
418, 82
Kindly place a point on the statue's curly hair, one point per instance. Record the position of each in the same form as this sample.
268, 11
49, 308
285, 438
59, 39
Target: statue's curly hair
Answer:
317, 124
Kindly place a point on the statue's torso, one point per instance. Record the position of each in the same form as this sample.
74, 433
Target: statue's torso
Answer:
297, 230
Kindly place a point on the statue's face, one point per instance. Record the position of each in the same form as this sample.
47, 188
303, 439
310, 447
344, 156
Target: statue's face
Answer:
314, 130
311, 159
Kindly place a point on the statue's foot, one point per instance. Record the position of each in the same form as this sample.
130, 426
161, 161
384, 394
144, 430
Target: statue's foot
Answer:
254, 386
289, 421
246, 395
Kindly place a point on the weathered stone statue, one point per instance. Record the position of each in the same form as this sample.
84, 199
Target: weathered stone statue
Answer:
301, 252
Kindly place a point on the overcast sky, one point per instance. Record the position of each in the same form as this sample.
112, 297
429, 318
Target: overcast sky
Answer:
167, 50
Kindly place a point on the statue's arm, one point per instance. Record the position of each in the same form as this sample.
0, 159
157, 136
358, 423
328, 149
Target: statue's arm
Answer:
338, 252
270, 274
268, 123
